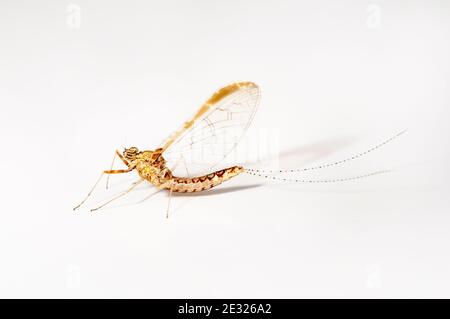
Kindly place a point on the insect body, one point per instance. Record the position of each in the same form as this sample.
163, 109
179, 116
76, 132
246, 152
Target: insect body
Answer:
228, 112
187, 160
151, 166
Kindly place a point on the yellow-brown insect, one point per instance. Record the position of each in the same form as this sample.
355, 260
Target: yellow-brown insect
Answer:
238, 100
151, 166
228, 112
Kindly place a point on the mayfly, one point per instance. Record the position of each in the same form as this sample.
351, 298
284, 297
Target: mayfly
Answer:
229, 111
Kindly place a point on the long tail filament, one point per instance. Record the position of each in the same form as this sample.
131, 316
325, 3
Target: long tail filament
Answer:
326, 165
334, 180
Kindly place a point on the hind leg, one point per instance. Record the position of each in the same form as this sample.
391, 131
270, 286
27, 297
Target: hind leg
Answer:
168, 204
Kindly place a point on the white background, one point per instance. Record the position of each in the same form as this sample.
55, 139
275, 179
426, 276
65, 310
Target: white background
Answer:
80, 79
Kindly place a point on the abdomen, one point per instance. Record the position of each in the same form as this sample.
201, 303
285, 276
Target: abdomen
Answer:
198, 184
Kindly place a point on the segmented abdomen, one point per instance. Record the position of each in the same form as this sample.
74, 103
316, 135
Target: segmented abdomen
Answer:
198, 184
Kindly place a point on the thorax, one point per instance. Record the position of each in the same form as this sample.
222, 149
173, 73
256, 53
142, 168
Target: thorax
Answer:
155, 171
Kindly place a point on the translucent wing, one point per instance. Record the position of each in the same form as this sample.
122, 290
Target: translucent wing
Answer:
203, 142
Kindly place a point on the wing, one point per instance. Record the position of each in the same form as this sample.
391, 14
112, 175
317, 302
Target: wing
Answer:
203, 142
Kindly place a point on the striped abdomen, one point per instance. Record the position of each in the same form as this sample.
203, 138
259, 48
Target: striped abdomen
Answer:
198, 184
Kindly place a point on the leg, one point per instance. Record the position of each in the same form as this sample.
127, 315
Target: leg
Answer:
149, 196
118, 171
185, 166
178, 162
119, 195
117, 153
107, 172
112, 164
90, 192
168, 204
122, 158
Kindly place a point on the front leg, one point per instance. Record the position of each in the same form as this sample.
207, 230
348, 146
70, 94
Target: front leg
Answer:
111, 171
118, 171
122, 158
